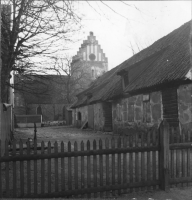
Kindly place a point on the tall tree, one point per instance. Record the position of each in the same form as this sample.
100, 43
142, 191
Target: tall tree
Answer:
77, 77
33, 31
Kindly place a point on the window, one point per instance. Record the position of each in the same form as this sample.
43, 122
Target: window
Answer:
125, 111
119, 112
131, 112
146, 108
146, 97
39, 111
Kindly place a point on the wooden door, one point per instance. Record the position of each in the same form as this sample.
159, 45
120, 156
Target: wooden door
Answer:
91, 116
170, 106
70, 117
107, 109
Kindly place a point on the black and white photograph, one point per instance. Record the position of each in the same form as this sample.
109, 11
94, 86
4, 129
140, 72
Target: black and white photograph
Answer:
96, 99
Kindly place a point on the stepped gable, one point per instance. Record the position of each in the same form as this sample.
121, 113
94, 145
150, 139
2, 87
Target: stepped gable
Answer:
91, 45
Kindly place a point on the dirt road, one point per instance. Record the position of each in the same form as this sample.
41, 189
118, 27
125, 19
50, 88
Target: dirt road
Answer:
60, 133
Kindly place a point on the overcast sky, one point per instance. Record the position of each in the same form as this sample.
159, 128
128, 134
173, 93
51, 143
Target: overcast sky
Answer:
117, 25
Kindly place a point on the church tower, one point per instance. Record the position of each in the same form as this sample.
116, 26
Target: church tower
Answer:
90, 60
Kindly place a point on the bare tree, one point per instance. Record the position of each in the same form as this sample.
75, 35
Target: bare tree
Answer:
77, 76
39, 89
33, 31
131, 47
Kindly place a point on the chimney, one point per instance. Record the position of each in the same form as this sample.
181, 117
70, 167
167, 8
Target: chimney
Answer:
91, 33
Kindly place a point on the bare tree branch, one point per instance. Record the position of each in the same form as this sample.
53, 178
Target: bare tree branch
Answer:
113, 10
76, 76
33, 30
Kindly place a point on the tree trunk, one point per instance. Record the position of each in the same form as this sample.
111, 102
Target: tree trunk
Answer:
5, 79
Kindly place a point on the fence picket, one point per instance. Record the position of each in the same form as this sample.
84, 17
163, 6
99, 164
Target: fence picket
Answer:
172, 167
125, 163
149, 160
188, 158
95, 167
101, 167
177, 157
119, 164
107, 164
183, 158
113, 164
171, 132
62, 169
154, 158
76, 166
42, 169
14, 170
88, 169
82, 170
49, 168
136, 161
131, 161
35, 168
1, 195
21, 169
69, 168
56, 167
143, 137
7, 169
28, 169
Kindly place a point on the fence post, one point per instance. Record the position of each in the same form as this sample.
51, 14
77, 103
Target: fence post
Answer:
35, 132
164, 155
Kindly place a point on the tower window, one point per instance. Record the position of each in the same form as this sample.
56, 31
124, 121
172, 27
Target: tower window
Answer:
92, 56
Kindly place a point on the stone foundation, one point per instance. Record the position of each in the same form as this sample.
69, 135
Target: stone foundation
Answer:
136, 113
185, 106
